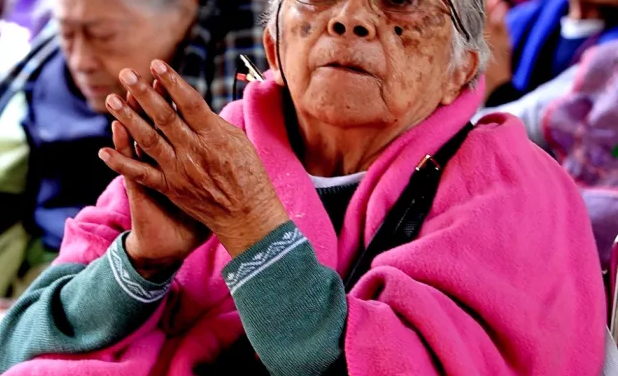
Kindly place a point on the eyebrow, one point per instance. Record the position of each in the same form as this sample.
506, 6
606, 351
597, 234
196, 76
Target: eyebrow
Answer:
86, 23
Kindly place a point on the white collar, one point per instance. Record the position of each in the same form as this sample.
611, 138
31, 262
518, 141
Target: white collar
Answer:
337, 181
576, 29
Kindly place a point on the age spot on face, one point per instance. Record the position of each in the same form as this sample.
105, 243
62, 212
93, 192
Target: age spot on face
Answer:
431, 24
410, 36
305, 29
426, 24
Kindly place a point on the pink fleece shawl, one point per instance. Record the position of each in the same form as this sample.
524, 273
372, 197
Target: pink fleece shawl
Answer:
503, 280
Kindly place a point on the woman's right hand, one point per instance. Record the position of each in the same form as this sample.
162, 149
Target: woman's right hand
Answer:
162, 236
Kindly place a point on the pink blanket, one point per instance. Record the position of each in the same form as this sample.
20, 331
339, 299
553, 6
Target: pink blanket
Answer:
504, 279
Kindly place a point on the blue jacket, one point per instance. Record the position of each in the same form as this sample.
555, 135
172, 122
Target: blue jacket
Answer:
531, 25
64, 134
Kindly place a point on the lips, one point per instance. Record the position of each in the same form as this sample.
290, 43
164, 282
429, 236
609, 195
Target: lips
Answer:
95, 90
349, 67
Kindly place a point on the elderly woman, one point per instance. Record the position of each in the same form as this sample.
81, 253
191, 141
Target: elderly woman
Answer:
53, 118
278, 221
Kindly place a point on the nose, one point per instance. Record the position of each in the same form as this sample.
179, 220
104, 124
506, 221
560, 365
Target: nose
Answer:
354, 20
81, 57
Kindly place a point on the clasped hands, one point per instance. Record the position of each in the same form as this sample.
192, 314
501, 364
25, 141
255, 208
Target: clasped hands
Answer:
202, 173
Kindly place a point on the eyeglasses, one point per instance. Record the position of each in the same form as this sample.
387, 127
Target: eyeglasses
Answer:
402, 7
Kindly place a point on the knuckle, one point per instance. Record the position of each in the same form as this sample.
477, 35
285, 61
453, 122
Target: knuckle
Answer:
172, 79
170, 82
141, 176
165, 117
150, 140
131, 118
194, 105
141, 88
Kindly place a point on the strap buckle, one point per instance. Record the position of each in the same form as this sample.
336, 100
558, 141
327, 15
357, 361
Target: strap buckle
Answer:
426, 159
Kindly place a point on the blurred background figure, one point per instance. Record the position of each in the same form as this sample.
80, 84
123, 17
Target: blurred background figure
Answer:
14, 45
29, 14
14, 39
534, 42
53, 118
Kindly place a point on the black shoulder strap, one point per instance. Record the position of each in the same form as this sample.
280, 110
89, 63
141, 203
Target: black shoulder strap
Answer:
403, 222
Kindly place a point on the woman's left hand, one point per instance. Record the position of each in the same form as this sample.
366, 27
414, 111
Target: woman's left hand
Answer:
204, 165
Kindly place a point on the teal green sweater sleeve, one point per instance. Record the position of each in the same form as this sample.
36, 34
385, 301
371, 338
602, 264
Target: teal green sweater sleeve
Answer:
292, 308
73, 308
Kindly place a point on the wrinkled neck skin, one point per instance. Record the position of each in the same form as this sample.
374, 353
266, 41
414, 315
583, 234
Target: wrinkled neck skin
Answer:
337, 151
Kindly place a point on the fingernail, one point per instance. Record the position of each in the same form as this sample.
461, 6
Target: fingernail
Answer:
104, 155
128, 77
114, 102
159, 67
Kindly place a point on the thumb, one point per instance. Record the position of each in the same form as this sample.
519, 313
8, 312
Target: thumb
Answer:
122, 140
124, 145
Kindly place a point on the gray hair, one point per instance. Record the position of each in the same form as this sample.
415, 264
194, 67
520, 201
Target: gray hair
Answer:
472, 15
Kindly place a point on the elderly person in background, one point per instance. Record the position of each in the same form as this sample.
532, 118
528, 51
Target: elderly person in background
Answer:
53, 118
278, 220
535, 42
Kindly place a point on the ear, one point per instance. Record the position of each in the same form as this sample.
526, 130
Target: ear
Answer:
460, 77
270, 45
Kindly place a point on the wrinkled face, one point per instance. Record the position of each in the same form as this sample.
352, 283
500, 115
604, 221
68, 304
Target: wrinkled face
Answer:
351, 63
101, 37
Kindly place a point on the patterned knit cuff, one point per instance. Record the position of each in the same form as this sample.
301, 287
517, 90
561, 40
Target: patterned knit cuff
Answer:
262, 255
129, 280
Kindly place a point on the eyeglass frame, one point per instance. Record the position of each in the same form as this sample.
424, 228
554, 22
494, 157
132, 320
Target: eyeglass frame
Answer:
457, 21
452, 13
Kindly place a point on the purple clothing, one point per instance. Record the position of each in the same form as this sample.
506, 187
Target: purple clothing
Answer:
581, 130
26, 14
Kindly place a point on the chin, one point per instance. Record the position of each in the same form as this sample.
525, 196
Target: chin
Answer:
348, 118
346, 110
97, 105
